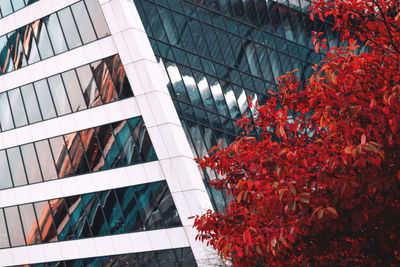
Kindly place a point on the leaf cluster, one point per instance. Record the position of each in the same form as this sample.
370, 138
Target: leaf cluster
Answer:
321, 185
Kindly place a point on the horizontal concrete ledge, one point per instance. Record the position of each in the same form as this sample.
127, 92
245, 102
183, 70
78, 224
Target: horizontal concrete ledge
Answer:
95, 247
82, 184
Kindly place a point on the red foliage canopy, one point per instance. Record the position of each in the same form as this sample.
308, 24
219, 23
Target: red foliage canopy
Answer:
321, 187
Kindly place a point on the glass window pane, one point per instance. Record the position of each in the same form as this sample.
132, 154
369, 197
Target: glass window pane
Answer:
55, 33
16, 51
109, 146
45, 221
165, 204
6, 63
46, 160
31, 163
78, 217
6, 121
112, 212
18, 4
130, 209
59, 95
5, 8
14, 226
29, 223
74, 90
125, 142
61, 157
104, 81
69, 28
93, 151
61, 219
89, 88
16, 166
97, 18
42, 38
76, 153
17, 107
4, 243
119, 78
31, 104
5, 175
83, 22
45, 101
29, 44
95, 214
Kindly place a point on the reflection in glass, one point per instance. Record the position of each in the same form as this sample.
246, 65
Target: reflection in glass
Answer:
46, 160
89, 215
83, 22
31, 104
55, 33
73, 90
43, 39
17, 107
16, 166
31, 163
61, 219
5, 175
29, 224
97, 17
6, 8
16, 51
104, 81
3, 232
88, 85
45, 101
45, 222
76, 152
14, 226
104, 147
61, 157
69, 28
59, 96
6, 121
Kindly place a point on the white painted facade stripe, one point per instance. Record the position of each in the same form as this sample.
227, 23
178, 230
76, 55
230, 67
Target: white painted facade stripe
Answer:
82, 184
54, 65
95, 247
73, 122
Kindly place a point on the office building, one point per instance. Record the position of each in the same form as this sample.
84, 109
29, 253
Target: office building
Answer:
105, 103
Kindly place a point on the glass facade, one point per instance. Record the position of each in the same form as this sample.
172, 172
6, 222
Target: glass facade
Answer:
87, 86
8, 7
104, 147
123, 210
66, 29
217, 53
180, 257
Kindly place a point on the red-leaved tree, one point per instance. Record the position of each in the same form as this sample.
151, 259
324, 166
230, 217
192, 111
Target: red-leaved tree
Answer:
321, 183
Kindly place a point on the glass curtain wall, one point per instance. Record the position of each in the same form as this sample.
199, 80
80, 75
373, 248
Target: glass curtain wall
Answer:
7, 7
217, 53
66, 29
123, 210
87, 86
105, 147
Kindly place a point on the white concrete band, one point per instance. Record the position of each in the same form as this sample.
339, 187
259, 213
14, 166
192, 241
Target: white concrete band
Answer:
82, 184
95, 247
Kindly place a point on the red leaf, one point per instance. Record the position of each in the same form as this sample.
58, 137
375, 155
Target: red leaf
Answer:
317, 48
363, 139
